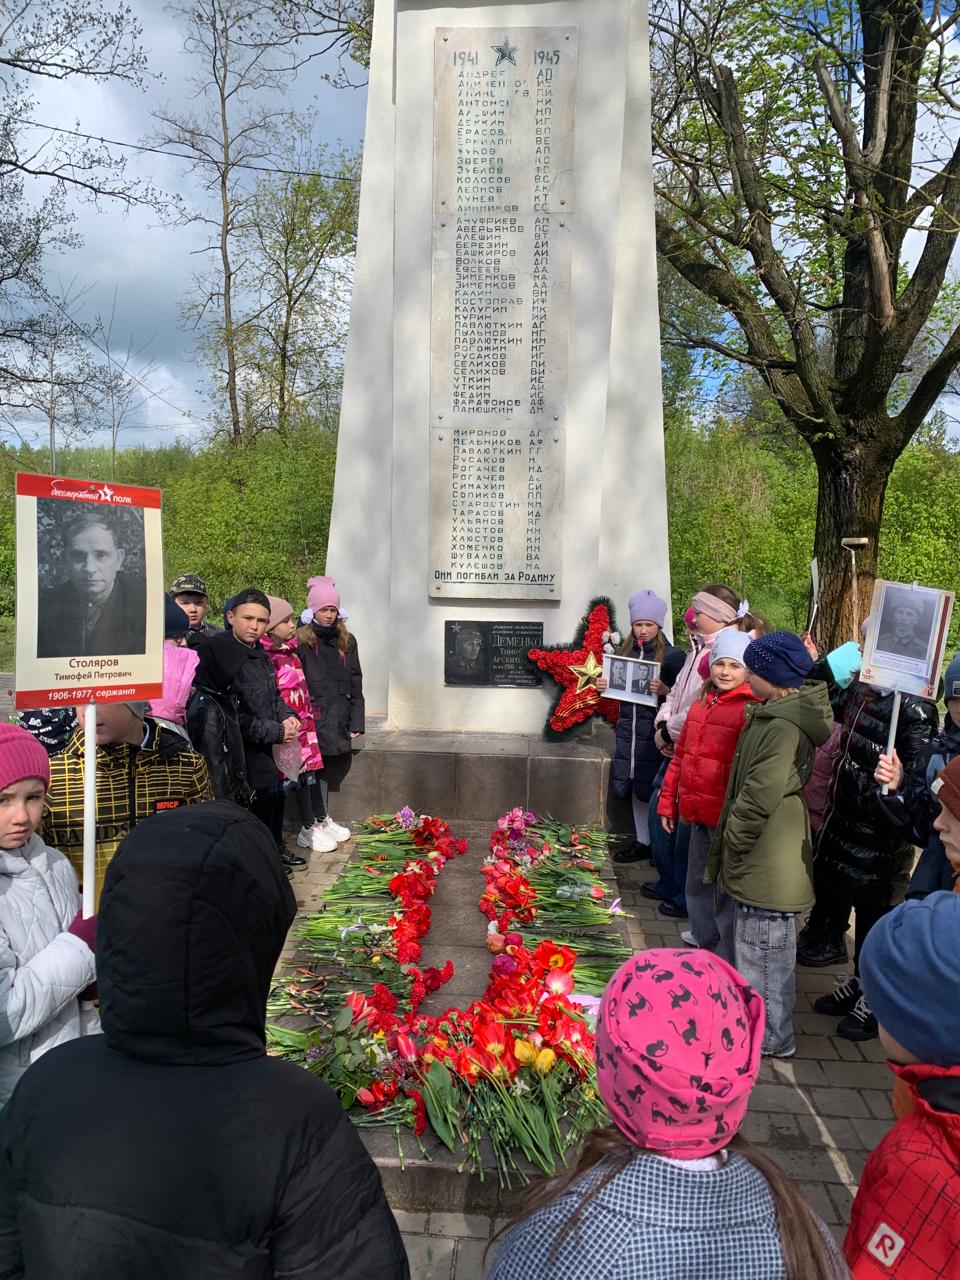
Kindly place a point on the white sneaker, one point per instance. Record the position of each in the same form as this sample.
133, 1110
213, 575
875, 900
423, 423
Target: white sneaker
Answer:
334, 829
305, 838
688, 938
323, 840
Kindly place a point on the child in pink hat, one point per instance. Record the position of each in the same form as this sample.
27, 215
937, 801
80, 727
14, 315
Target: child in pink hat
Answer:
331, 664
46, 947
669, 1189
281, 645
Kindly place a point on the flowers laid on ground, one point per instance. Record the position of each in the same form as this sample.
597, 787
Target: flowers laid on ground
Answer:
543, 880
513, 1072
364, 947
515, 1069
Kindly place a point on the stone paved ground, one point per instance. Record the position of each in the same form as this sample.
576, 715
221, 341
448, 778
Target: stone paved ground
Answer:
818, 1115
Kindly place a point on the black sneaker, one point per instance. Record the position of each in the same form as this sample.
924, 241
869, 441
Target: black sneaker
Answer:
842, 999
859, 1024
634, 852
819, 952
649, 890
672, 912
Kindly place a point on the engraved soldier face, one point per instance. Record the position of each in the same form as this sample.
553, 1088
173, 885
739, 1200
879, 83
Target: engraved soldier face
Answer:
470, 641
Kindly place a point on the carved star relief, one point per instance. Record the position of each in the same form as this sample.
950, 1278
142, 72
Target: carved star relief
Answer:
505, 51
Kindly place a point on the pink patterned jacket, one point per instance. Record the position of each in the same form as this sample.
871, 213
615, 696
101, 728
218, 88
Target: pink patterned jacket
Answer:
293, 690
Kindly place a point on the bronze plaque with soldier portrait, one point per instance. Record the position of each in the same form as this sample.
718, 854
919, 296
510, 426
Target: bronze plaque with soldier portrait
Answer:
491, 654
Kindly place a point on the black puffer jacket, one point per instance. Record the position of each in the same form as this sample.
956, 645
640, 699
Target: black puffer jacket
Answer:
860, 847
171, 1147
260, 709
636, 758
335, 682
213, 720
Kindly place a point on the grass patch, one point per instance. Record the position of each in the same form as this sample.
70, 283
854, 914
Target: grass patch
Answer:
7, 626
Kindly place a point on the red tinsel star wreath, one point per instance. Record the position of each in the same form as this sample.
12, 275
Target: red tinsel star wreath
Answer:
576, 668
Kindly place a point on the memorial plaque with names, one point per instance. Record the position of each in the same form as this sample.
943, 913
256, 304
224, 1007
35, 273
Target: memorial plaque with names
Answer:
501, 298
491, 654
503, 206
499, 492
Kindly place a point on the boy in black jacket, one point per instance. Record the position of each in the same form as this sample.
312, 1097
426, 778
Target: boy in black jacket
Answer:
265, 719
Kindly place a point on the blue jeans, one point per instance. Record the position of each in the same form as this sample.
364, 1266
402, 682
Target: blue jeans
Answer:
932, 872
669, 851
765, 946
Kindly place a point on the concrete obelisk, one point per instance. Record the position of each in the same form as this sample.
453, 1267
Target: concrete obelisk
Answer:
501, 449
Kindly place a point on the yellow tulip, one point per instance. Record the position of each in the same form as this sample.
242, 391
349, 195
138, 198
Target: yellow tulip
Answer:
546, 1060
524, 1052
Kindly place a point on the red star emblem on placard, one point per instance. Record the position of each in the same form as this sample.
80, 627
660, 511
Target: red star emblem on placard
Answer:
576, 668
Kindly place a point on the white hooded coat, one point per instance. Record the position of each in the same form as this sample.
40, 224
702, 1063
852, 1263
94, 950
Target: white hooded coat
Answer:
42, 966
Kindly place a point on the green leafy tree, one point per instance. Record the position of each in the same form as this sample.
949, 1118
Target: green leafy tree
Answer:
297, 250
234, 128
795, 150
325, 26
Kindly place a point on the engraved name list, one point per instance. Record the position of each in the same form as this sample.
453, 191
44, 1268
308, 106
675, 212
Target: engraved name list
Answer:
503, 210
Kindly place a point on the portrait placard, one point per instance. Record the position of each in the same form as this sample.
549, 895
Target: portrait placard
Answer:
904, 646
89, 592
629, 679
491, 654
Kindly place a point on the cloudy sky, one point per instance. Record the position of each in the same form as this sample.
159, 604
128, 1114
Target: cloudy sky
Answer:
149, 264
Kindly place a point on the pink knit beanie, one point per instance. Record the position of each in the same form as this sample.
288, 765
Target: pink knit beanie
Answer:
279, 610
21, 756
321, 594
678, 1050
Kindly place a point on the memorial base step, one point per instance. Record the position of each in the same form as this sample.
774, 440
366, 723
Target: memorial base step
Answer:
434, 1183
473, 775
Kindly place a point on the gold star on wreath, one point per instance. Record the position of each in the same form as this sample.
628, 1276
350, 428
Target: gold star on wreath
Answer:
576, 668
587, 673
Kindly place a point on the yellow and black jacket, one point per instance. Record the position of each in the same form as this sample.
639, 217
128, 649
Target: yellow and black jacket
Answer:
132, 782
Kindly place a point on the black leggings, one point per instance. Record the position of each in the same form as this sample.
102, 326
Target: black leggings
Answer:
831, 911
309, 798
335, 769
267, 804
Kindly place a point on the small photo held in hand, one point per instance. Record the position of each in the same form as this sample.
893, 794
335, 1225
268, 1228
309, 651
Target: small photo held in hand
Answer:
629, 679
905, 643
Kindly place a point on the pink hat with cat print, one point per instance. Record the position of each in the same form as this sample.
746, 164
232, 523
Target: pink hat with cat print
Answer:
678, 1050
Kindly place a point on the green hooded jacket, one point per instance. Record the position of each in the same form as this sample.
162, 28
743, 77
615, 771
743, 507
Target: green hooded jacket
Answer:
761, 852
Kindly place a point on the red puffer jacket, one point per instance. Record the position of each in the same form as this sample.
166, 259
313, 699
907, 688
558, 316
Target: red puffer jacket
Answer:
904, 1224
696, 782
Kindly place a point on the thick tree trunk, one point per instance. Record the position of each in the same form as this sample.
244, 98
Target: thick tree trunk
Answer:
851, 490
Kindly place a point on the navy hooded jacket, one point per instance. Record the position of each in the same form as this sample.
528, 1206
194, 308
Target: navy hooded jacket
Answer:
172, 1147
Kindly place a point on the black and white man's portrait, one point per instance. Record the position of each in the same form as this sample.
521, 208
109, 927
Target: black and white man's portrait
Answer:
92, 580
